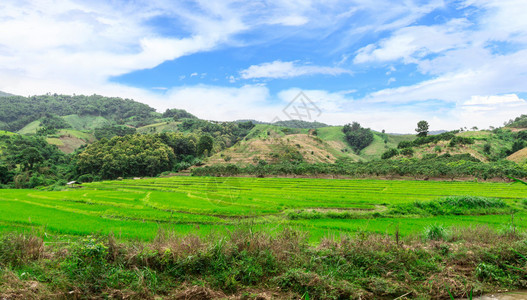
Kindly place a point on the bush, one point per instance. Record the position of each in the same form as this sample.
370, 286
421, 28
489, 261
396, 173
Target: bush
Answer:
407, 151
436, 233
389, 153
405, 144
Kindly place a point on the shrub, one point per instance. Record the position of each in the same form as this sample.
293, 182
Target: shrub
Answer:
407, 151
436, 232
405, 144
390, 153
17, 249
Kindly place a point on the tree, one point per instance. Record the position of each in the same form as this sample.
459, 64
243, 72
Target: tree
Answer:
205, 145
357, 137
422, 128
29, 157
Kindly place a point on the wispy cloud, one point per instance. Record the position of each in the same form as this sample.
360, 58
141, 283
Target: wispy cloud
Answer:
288, 69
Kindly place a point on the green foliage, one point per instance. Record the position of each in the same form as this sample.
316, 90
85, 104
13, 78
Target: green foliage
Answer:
456, 205
459, 140
444, 166
390, 153
18, 249
357, 137
109, 131
224, 134
205, 145
518, 122
131, 155
246, 259
405, 144
517, 146
54, 121
422, 128
17, 111
427, 139
407, 151
178, 114
29, 161
487, 148
490, 272
436, 232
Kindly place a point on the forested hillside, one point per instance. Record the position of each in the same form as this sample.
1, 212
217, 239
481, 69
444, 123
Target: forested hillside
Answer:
17, 111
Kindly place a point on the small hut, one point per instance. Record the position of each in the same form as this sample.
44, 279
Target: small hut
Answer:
74, 184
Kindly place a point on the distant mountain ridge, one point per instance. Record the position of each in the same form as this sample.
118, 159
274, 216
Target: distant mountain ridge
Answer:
4, 94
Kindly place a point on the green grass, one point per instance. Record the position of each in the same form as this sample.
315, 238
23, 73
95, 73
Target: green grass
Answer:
54, 141
159, 127
85, 122
76, 133
333, 133
139, 208
30, 128
3, 132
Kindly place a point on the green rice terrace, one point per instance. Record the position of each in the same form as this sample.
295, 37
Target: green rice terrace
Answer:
189, 237
137, 209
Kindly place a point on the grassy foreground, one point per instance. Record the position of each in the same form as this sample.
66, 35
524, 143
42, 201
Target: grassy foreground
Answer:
248, 264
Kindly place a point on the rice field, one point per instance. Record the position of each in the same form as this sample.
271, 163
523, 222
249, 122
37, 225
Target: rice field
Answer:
138, 209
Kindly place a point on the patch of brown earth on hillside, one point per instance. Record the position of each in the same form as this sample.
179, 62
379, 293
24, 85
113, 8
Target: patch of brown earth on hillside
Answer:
70, 143
459, 149
518, 156
313, 150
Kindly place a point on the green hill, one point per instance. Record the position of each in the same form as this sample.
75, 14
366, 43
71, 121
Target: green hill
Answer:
272, 144
16, 112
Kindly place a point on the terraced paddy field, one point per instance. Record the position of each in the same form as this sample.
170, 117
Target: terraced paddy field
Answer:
138, 209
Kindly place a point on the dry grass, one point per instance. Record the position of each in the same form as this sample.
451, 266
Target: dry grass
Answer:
18, 249
383, 266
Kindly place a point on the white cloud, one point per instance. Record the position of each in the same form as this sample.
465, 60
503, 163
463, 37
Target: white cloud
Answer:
414, 42
84, 44
494, 100
293, 20
222, 103
280, 69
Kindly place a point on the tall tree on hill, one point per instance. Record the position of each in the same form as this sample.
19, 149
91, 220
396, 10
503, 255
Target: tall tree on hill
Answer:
422, 128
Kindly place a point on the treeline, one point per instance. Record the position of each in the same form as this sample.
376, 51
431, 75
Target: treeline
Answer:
29, 161
178, 114
140, 155
445, 167
18, 111
518, 122
445, 136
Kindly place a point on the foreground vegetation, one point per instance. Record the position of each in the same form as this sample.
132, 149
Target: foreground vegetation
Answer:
250, 264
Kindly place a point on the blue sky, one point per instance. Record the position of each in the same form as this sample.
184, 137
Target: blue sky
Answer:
386, 64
